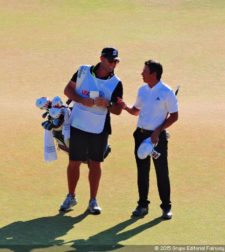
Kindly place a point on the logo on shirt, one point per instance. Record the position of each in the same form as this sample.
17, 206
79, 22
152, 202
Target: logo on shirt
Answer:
157, 99
85, 92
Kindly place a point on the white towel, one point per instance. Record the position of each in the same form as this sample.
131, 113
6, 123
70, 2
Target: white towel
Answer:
66, 124
49, 147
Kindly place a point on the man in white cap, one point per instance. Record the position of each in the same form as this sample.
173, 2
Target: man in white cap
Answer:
94, 89
156, 105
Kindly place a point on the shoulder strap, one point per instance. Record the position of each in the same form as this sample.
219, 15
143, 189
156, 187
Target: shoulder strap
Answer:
82, 72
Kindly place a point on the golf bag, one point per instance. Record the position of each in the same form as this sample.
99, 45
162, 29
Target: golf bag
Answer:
57, 121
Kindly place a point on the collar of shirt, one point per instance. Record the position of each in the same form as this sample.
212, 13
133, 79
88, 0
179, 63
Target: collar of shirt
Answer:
156, 86
94, 69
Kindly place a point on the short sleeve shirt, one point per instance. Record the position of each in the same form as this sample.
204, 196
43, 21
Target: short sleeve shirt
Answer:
154, 105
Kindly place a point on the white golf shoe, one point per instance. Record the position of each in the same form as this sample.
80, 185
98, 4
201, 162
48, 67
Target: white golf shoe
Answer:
68, 203
93, 207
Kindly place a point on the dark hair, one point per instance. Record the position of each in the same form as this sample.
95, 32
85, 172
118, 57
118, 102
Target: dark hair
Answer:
155, 67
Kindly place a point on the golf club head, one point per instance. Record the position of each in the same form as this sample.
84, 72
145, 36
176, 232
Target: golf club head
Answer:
57, 123
43, 103
57, 102
55, 112
47, 125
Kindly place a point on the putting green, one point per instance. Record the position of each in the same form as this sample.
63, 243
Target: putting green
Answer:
42, 44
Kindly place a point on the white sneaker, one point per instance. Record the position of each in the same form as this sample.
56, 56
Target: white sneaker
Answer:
68, 203
93, 207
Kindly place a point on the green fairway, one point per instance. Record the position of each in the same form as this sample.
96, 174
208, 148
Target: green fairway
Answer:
42, 44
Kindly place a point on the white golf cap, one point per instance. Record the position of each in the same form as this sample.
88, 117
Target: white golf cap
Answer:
145, 149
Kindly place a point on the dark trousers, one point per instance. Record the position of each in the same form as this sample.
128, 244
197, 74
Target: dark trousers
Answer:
161, 168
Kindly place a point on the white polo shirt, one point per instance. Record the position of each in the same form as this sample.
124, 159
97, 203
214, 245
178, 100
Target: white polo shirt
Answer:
154, 105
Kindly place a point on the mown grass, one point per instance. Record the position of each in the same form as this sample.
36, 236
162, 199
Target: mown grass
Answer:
42, 44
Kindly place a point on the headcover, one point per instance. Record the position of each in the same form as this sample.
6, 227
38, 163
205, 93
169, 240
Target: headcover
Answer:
57, 102
147, 149
43, 103
55, 112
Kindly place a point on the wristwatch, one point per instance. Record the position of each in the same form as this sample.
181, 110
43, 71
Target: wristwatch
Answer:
110, 104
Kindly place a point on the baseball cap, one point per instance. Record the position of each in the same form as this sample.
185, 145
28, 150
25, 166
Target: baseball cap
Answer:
110, 53
146, 149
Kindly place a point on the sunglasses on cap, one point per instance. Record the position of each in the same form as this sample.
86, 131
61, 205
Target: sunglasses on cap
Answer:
113, 60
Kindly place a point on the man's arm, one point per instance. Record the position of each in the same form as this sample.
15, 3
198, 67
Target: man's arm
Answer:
115, 109
171, 105
173, 117
70, 92
131, 110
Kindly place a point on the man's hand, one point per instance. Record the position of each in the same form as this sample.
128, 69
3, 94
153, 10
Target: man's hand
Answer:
155, 136
173, 117
120, 102
101, 102
87, 102
131, 110
70, 92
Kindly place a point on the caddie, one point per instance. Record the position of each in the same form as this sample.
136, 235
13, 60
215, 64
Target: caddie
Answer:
94, 90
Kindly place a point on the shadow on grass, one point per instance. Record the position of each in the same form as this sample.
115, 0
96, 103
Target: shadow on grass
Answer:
38, 233
109, 239
42, 233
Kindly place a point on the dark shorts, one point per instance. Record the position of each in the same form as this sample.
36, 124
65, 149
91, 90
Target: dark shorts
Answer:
87, 146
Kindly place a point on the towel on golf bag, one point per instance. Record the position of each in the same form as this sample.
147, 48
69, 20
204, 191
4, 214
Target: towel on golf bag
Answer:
66, 124
49, 146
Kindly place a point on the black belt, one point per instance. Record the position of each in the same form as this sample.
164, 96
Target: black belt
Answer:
144, 130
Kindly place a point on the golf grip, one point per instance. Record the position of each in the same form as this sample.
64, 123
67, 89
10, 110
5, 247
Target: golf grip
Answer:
177, 90
68, 102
